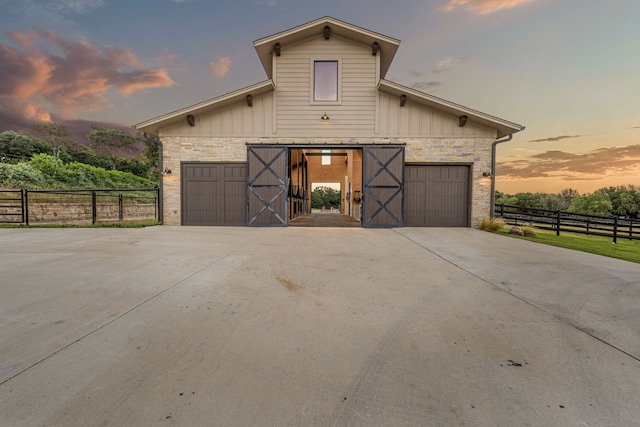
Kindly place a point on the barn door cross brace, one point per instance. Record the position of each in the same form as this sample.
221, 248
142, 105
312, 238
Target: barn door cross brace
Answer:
267, 205
383, 167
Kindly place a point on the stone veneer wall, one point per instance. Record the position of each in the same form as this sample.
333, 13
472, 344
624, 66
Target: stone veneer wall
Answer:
473, 151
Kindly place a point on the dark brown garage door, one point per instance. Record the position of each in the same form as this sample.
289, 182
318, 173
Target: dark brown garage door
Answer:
437, 196
214, 193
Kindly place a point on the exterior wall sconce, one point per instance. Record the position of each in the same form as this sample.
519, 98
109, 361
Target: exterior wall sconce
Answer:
356, 196
327, 32
250, 100
487, 174
166, 171
325, 117
462, 120
403, 100
191, 120
277, 48
374, 48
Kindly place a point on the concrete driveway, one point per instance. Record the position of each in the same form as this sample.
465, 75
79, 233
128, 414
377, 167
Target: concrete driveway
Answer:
194, 326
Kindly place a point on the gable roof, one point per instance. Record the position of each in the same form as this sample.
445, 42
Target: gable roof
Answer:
504, 127
152, 125
387, 49
388, 46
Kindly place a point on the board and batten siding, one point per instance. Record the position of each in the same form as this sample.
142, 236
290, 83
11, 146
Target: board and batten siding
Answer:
415, 120
237, 119
297, 115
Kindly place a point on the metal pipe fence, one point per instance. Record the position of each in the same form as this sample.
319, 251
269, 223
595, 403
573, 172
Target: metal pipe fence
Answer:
31, 207
562, 221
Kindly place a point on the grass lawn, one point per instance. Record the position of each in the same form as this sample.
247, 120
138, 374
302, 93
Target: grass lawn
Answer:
628, 250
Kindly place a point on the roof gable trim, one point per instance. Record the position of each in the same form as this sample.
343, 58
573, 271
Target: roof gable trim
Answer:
256, 89
277, 43
504, 127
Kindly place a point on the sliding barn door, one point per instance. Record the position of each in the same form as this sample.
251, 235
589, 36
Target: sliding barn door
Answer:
382, 178
267, 186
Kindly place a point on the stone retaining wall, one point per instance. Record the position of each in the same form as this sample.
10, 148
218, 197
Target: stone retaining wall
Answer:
46, 213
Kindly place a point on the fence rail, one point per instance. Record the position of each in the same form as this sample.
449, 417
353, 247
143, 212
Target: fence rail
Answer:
31, 207
562, 221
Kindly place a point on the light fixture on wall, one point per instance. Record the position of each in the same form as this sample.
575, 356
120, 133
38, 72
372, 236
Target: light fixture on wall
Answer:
403, 100
325, 117
462, 120
487, 174
191, 120
374, 48
356, 196
166, 171
277, 48
327, 32
250, 100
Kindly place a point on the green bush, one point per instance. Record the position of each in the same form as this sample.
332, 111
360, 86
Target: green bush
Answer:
21, 175
47, 172
52, 168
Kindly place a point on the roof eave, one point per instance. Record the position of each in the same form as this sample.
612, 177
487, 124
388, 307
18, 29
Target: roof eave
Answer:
152, 126
503, 127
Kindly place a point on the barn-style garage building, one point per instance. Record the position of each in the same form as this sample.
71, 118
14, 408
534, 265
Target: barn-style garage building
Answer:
325, 114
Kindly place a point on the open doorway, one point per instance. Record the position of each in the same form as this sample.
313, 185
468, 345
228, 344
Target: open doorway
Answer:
280, 176
326, 197
325, 180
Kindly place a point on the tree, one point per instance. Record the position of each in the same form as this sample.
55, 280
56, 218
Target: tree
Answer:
325, 197
625, 201
56, 135
150, 155
505, 199
16, 146
111, 142
566, 196
529, 200
596, 203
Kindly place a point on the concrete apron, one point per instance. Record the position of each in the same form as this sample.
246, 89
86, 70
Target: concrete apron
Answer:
300, 326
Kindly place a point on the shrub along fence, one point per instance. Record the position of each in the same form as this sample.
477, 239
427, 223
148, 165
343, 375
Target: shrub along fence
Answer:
608, 226
32, 207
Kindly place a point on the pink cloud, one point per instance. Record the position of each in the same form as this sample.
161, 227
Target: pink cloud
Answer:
221, 67
35, 112
77, 76
483, 7
602, 162
24, 39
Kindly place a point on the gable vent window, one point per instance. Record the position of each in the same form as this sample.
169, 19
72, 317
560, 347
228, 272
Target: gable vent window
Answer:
326, 81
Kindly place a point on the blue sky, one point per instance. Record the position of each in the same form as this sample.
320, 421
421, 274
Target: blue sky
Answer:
569, 70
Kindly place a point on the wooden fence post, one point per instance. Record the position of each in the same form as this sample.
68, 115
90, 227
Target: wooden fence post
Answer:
615, 230
558, 222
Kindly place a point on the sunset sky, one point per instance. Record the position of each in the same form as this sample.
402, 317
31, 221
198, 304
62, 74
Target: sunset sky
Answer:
569, 70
